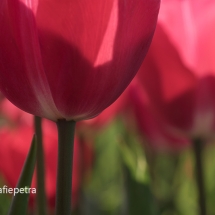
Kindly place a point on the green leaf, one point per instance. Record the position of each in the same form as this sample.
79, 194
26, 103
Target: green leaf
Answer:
139, 195
4, 199
140, 198
19, 202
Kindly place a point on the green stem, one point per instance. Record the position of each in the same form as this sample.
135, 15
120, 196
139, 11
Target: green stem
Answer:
198, 151
41, 195
66, 131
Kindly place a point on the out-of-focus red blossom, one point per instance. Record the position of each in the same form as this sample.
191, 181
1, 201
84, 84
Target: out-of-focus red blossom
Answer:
14, 114
15, 143
178, 72
68, 59
151, 126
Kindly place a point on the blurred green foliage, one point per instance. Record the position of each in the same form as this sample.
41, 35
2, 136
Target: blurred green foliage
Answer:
4, 199
130, 179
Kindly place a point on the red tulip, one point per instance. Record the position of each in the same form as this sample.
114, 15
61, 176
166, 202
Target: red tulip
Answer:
178, 74
70, 60
152, 127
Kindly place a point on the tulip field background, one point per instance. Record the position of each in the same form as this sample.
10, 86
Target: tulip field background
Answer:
125, 176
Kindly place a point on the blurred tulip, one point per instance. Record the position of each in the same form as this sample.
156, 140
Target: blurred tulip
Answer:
69, 60
178, 77
14, 115
151, 126
181, 89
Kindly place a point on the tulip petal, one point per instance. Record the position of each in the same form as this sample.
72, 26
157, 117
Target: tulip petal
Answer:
188, 24
168, 82
26, 60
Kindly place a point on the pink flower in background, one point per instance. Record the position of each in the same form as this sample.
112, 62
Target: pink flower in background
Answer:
14, 115
69, 59
152, 127
178, 73
189, 25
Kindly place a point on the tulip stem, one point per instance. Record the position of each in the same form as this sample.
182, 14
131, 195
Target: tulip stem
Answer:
198, 151
41, 195
66, 132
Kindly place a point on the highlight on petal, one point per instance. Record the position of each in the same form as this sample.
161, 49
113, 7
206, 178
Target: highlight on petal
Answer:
189, 25
105, 53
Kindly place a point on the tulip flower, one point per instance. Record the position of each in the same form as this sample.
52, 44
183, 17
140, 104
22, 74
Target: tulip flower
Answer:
179, 74
69, 60
151, 126
185, 68
183, 99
